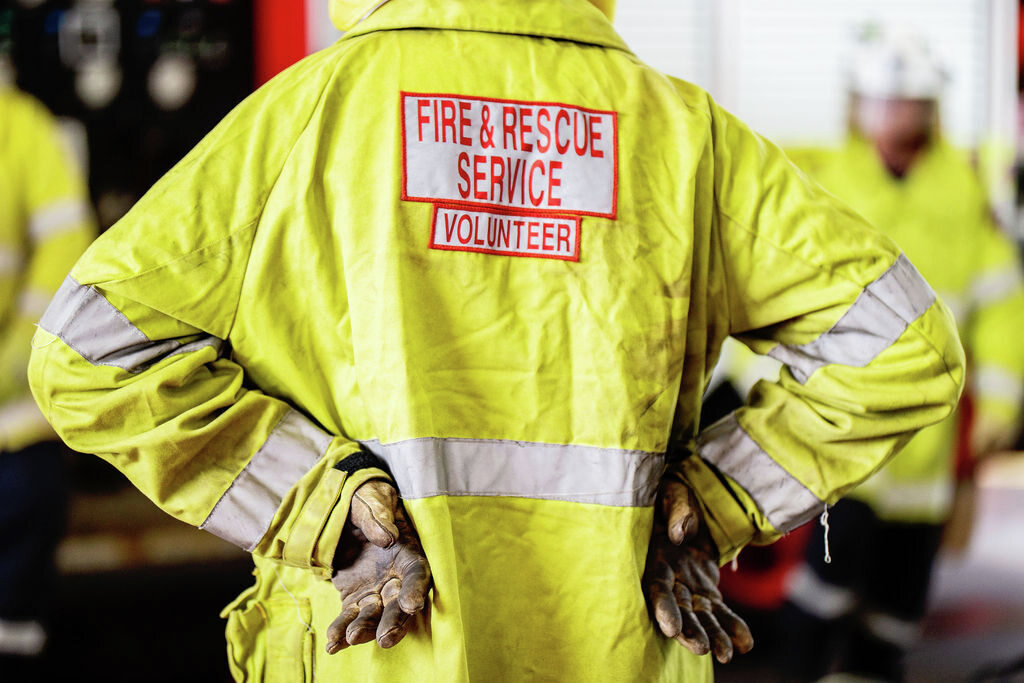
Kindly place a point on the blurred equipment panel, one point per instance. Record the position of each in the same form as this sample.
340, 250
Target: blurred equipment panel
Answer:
147, 78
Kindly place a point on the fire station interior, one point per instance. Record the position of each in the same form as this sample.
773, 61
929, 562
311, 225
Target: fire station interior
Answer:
136, 83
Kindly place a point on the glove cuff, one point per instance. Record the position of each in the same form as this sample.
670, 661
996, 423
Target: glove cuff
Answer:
361, 460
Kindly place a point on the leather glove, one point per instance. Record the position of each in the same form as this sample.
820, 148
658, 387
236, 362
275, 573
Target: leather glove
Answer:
681, 580
383, 574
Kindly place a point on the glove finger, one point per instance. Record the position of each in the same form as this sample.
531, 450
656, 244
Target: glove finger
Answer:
721, 644
372, 511
663, 602
739, 632
680, 509
394, 624
336, 640
364, 628
415, 584
691, 634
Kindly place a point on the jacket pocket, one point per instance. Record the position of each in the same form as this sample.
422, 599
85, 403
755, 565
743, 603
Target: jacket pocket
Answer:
269, 641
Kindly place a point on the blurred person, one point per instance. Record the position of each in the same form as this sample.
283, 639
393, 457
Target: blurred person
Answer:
424, 325
45, 225
860, 613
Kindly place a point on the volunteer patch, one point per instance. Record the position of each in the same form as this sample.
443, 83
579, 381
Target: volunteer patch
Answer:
540, 157
464, 228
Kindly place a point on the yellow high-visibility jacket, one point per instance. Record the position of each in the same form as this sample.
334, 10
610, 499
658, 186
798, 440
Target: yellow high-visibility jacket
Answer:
487, 243
939, 215
45, 225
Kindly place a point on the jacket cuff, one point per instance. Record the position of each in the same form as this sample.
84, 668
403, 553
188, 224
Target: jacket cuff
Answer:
731, 529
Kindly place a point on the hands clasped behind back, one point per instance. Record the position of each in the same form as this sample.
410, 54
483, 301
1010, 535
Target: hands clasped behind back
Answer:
382, 574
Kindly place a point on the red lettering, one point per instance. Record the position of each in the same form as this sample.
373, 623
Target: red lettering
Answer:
447, 119
524, 128
420, 118
497, 175
562, 149
464, 175
536, 199
519, 232
465, 121
476, 230
554, 182
576, 128
479, 177
548, 237
436, 132
504, 228
532, 232
563, 237
508, 131
545, 143
595, 135
513, 177
449, 226
464, 219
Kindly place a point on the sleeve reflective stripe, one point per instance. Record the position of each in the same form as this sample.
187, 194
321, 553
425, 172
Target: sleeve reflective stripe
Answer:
11, 260
993, 285
817, 597
991, 381
245, 511
33, 302
56, 217
429, 467
102, 335
785, 501
875, 320
903, 633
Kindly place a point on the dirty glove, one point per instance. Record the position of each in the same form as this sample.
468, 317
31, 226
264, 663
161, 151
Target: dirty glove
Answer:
383, 574
681, 580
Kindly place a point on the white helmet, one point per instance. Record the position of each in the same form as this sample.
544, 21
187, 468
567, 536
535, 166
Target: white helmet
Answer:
896, 66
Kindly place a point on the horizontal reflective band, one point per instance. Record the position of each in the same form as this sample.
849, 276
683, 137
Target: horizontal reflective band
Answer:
25, 638
957, 305
33, 302
815, 596
994, 285
102, 335
780, 496
245, 511
470, 467
11, 260
22, 416
893, 498
56, 218
902, 633
875, 320
992, 382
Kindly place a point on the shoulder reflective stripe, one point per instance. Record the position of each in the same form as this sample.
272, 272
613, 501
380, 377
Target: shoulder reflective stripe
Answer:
993, 285
902, 633
875, 320
11, 260
33, 302
993, 382
817, 597
785, 501
470, 467
56, 217
245, 511
102, 335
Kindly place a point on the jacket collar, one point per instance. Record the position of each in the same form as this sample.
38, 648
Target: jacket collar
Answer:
575, 20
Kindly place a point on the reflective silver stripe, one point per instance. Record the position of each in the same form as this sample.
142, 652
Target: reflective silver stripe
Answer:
875, 320
897, 499
56, 217
994, 285
781, 497
25, 638
102, 335
476, 467
957, 304
245, 511
11, 260
823, 600
991, 381
902, 633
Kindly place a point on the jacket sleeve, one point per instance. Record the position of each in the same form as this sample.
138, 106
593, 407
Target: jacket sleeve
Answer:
133, 360
57, 228
993, 336
869, 354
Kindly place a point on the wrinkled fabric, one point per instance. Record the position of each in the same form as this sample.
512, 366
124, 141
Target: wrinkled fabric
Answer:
286, 235
940, 217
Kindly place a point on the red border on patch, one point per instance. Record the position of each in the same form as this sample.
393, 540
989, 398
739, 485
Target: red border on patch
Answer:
473, 208
501, 207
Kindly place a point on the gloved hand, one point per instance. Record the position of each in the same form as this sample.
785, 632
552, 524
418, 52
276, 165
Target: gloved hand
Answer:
383, 574
681, 580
